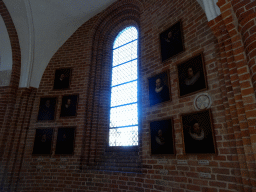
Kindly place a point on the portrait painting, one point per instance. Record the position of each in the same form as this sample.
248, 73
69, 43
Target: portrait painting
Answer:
171, 41
47, 109
162, 137
192, 76
43, 141
65, 141
69, 106
198, 133
62, 78
159, 88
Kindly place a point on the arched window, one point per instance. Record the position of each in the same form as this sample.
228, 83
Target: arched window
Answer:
123, 128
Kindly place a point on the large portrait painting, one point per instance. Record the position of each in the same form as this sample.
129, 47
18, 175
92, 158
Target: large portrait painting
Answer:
198, 133
162, 137
159, 88
172, 41
47, 109
62, 78
43, 141
65, 141
192, 76
69, 106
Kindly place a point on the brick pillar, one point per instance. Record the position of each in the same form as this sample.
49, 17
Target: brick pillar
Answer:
245, 11
238, 89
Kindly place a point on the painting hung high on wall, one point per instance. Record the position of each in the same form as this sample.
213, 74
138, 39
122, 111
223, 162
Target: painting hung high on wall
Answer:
69, 106
162, 137
62, 78
198, 135
159, 88
43, 141
192, 76
47, 109
171, 41
65, 141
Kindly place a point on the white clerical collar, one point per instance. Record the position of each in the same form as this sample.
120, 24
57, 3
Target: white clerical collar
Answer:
158, 89
193, 79
197, 137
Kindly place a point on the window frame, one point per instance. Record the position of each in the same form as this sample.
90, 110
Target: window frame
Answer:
136, 147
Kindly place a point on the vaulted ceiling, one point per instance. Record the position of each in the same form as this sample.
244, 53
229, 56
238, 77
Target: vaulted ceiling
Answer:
44, 25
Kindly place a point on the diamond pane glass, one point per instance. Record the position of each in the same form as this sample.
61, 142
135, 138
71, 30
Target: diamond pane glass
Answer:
125, 36
124, 110
125, 53
123, 136
124, 116
122, 94
124, 73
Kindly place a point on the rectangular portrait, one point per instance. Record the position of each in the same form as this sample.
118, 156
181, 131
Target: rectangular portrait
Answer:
192, 76
62, 78
43, 141
69, 106
198, 133
159, 88
162, 137
171, 41
47, 109
65, 141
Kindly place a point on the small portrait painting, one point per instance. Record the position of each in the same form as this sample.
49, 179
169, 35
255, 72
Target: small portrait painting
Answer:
192, 76
171, 41
159, 88
162, 141
198, 133
65, 141
69, 106
47, 109
62, 78
43, 141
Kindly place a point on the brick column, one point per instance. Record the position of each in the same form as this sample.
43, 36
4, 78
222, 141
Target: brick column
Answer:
239, 90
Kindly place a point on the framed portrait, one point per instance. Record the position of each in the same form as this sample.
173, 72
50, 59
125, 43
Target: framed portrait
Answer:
162, 137
159, 88
47, 109
69, 106
171, 41
43, 141
198, 134
65, 141
192, 76
62, 78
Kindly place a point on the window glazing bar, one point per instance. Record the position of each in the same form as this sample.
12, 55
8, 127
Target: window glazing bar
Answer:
124, 105
124, 83
125, 62
125, 44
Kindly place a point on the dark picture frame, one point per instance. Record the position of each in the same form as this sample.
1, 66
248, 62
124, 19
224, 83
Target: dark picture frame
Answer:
62, 78
198, 134
47, 108
192, 76
65, 141
69, 106
159, 88
162, 137
171, 41
43, 141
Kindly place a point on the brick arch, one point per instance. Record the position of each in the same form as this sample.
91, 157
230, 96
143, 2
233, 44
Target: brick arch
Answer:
16, 54
111, 22
8, 94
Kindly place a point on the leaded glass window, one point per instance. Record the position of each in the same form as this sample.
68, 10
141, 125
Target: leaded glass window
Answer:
123, 129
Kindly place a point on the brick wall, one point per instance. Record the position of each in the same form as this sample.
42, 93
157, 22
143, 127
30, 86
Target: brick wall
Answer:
87, 52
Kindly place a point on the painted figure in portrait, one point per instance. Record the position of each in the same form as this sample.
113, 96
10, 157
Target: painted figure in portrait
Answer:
159, 88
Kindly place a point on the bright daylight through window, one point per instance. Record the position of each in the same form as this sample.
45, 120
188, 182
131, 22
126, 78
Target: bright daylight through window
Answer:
123, 129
